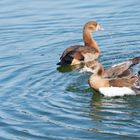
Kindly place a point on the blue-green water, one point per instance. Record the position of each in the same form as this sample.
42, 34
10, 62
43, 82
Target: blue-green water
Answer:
37, 101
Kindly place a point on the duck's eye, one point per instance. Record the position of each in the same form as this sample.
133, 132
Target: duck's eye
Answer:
90, 27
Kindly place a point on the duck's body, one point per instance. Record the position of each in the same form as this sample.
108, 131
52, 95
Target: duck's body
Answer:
115, 86
78, 54
100, 82
82, 53
121, 86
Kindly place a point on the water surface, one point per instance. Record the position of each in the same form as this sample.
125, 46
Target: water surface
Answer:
40, 102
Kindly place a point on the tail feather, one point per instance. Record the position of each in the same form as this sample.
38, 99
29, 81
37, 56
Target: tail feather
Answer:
59, 63
136, 86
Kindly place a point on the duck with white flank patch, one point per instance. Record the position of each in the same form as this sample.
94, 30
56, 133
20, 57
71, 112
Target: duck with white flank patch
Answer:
78, 54
115, 86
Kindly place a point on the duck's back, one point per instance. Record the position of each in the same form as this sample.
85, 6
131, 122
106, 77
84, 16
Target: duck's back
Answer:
121, 69
127, 81
76, 53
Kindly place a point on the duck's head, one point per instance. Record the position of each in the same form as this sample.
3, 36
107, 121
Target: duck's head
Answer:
95, 67
93, 26
96, 80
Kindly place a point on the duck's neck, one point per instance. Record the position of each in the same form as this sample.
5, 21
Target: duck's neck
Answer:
97, 80
89, 41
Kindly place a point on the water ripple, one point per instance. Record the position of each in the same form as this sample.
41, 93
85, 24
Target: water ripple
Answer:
41, 101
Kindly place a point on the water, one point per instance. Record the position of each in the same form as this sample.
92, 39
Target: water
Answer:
39, 101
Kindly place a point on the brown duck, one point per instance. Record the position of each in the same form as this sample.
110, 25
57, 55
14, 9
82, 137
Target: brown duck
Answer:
115, 86
82, 53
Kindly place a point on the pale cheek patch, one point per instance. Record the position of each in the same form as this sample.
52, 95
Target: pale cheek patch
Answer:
98, 27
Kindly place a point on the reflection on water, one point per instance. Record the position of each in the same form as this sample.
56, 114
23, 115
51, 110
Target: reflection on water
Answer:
38, 99
118, 115
69, 68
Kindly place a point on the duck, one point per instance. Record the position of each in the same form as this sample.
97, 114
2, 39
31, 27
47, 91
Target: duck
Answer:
78, 54
114, 86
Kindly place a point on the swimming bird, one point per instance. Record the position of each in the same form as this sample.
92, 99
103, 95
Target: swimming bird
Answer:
118, 86
90, 51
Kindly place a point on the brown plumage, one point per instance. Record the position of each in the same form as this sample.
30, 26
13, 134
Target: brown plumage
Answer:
82, 53
127, 81
100, 79
122, 69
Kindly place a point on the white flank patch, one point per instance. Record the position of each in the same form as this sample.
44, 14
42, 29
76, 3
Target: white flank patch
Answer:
116, 91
